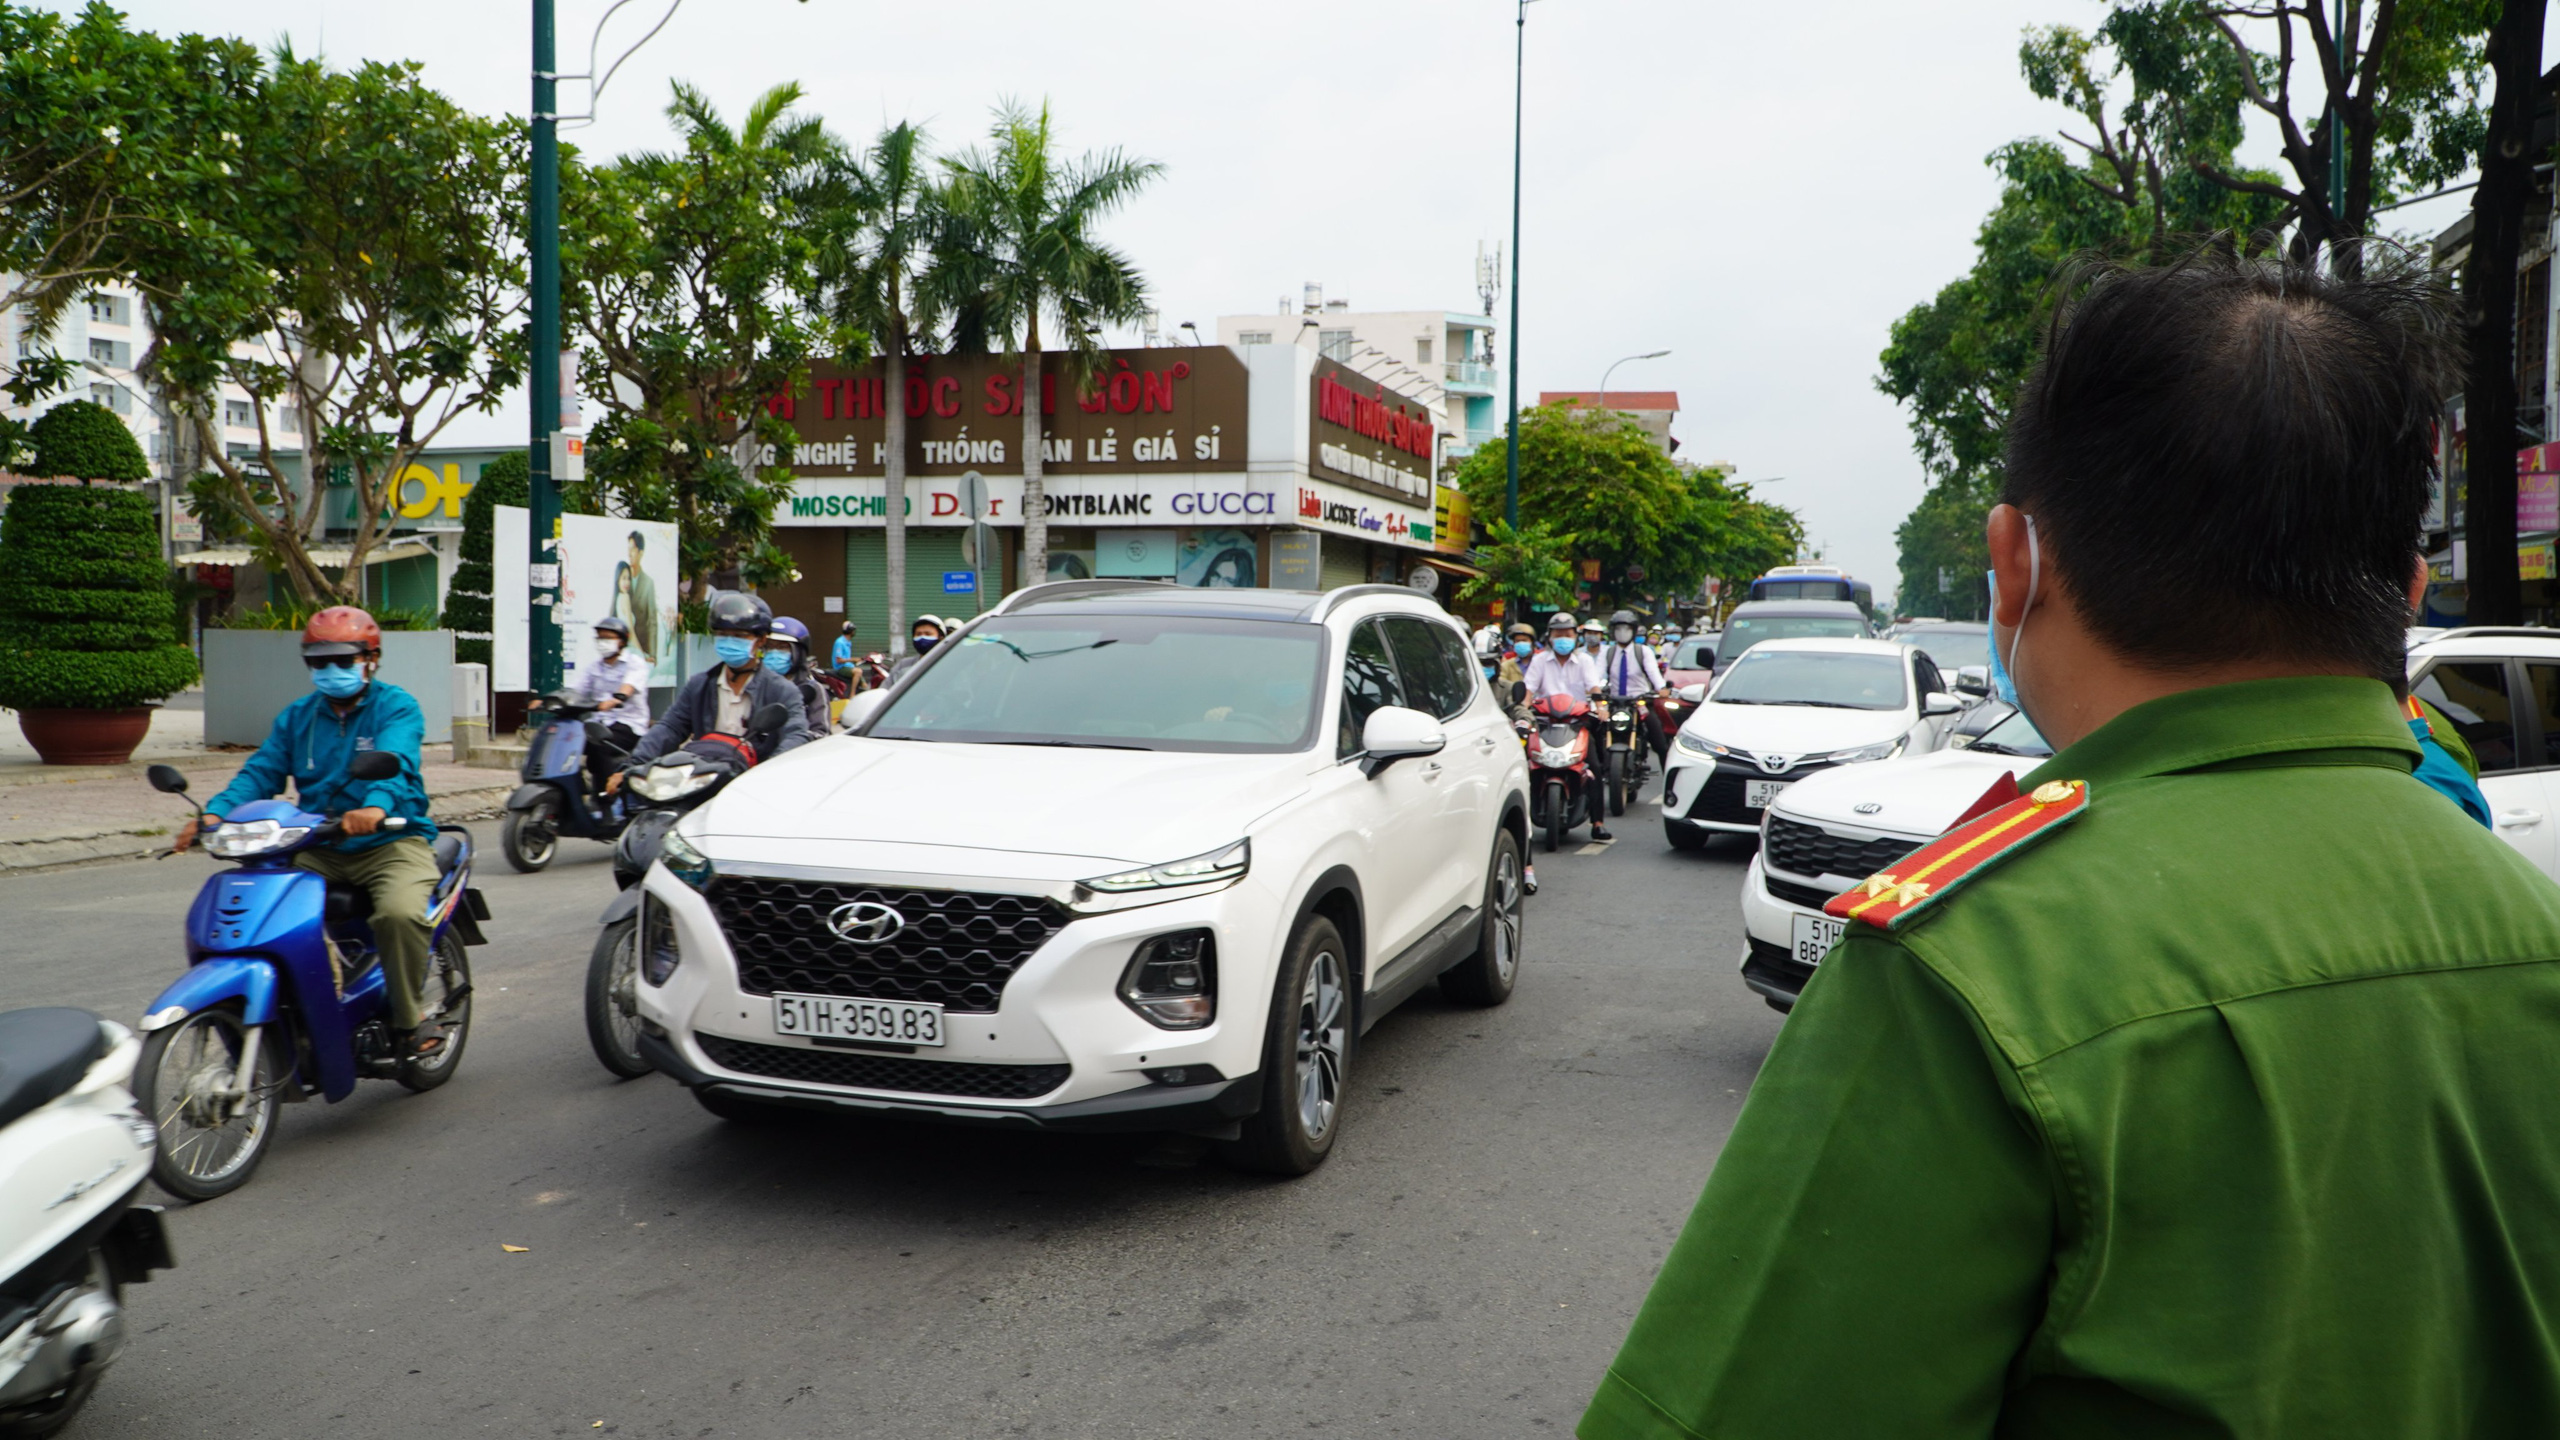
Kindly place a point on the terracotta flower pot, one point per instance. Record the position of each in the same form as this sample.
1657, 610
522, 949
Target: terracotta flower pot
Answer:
85, 737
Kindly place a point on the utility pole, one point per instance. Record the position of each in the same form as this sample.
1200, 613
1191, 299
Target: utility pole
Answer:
1511, 443
2338, 125
542, 376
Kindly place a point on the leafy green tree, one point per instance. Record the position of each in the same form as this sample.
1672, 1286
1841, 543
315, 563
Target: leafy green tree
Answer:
691, 277
352, 250
1531, 566
879, 218
1020, 249
84, 440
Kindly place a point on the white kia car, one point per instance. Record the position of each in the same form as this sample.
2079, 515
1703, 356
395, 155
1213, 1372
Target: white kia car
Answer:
2501, 689
1790, 709
1118, 856
1841, 826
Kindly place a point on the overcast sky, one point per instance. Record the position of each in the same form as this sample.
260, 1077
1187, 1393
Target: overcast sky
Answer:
1759, 188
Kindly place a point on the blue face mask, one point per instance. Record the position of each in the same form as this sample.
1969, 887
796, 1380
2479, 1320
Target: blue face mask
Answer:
1564, 644
924, 642
1489, 669
777, 661
338, 682
735, 653
1521, 648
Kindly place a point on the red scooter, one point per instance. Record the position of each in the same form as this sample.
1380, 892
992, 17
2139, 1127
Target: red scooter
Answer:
1563, 792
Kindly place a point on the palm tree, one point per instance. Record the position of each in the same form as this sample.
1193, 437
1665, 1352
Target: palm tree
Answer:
884, 214
1018, 248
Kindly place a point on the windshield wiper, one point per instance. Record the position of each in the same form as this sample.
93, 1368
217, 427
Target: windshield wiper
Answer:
1824, 704
1075, 744
1027, 656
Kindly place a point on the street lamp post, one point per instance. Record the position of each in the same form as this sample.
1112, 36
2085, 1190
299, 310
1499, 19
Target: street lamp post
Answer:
542, 658
1511, 444
1602, 403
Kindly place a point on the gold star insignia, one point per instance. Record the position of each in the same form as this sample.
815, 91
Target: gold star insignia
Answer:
2052, 792
1876, 884
1910, 892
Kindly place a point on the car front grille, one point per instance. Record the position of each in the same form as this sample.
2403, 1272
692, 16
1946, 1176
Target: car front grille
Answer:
1800, 849
1811, 897
1721, 797
884, 1072
954, 948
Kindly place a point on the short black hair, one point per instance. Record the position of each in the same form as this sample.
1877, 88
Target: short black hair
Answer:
2229, 457
639, 541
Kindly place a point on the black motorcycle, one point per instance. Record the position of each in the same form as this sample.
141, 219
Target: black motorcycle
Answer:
560, 794
1627, 767
660, 793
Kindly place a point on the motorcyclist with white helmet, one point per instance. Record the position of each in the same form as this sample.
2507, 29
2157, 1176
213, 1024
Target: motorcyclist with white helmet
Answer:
1569, 668
1635, 673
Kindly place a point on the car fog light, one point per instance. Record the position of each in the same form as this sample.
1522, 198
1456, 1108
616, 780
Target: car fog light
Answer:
1173, 980
1184, 1074
659, 956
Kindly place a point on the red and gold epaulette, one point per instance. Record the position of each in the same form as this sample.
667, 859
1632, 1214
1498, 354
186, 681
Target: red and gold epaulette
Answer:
1886, 899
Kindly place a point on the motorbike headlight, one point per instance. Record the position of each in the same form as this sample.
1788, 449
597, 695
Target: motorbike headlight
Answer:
1885, 751
241, 839
685, 862
1702, 748
666, 782
1228, 862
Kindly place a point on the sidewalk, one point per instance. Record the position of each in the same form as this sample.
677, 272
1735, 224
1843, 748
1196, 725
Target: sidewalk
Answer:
57, 815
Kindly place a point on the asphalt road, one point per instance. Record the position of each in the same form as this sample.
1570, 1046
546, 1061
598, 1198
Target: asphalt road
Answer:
1464, 1265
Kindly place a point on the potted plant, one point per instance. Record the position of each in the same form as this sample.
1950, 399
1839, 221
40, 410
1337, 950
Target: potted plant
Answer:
88, 623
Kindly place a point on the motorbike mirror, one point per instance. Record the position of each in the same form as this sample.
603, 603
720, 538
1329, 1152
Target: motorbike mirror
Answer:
1519, 691
167, 779
768, 719
373, 765
859, 710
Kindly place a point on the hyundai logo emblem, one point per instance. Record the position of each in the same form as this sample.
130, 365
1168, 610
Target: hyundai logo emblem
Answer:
1869, 808
1774, 764
866, 922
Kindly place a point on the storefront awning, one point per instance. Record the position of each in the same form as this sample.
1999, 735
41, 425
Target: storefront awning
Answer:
333, 556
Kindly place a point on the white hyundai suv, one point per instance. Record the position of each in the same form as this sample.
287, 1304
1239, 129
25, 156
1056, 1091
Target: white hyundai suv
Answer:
1118, 856
2501, 689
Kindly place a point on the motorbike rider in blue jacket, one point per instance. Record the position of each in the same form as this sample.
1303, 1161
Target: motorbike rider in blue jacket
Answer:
312, 743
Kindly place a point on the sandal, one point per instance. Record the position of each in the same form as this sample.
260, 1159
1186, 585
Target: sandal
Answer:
427, 1041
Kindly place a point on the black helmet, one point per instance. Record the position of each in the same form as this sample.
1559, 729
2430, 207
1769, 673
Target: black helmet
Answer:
738, 610
1624, 617
613, 625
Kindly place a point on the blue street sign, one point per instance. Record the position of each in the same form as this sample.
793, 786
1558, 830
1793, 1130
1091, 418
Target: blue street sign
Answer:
959, 582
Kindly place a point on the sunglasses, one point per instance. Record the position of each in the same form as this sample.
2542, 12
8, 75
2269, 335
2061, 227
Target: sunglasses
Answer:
323, 662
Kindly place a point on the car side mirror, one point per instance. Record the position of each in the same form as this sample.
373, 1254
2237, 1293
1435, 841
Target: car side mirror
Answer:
859, 710
1694, 694
1973, 679
1939, 702
373, 765
1395, 733
167, 779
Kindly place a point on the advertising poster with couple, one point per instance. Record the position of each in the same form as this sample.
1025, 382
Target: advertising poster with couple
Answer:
608, 566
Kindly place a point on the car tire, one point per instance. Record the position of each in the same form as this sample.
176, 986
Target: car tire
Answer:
1682, 837
1486, 977
1306, 1053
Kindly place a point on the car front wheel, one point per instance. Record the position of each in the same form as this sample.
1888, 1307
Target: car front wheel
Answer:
1306, 1053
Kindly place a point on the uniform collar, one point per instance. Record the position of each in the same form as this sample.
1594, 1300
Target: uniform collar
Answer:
2197, 728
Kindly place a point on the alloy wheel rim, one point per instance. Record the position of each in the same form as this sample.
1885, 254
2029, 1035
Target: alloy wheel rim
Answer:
1322, 1006
1506, 916
199, 1062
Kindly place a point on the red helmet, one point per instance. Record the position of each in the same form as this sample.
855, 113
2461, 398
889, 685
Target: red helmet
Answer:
341, 630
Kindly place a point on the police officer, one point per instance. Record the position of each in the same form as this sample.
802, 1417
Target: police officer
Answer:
2204, 1088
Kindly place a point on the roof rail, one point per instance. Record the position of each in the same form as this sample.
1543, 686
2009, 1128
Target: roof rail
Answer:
1332, 599
2475, 632
1071, 589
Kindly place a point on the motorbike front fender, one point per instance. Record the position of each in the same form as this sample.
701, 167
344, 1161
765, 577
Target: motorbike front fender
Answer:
528, 795
214, 980
622, 907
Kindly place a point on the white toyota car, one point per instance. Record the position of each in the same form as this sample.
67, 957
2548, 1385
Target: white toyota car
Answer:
1790, 709
1119, 856
1838, 828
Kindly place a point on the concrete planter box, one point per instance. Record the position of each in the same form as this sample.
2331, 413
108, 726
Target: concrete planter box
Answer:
251, 675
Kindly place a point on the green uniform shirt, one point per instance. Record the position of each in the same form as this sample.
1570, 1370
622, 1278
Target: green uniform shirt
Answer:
2230, 1109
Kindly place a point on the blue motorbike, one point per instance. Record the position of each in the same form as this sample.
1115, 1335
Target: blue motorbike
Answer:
283, 996
558, 796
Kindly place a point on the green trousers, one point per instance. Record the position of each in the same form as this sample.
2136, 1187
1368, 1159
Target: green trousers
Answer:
399, 876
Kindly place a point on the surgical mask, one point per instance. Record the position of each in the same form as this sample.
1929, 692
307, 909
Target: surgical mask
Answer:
1626, 636
1489, 669
924, 642
607, 649
777, 661
1523, 648
1564, 644
735, 653
2007, 680
338, 682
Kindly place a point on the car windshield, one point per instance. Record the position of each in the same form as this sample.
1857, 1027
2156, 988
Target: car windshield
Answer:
1696, 653
1745, 631
1814, 677
1951, 648
1120, 682
2013, 736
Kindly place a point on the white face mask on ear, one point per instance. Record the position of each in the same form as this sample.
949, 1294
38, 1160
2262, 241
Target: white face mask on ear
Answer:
2018, 632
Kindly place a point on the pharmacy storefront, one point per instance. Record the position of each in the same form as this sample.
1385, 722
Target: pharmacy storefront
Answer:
1199, 466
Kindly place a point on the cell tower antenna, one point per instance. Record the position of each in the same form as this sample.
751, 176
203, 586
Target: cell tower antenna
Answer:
1488, 275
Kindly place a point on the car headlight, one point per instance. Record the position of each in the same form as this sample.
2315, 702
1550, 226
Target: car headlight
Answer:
685, 862
1700, 747
1172, 980
237, 840
1885, 751
1228, 862
669, 782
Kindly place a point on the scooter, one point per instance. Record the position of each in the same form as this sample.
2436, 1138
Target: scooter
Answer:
556, 798
283, 995
1628, 753
74, 1151
1563, 792
662, 793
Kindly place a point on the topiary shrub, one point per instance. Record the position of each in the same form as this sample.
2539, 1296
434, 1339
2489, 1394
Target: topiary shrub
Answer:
87, 619
83, 440
507, 480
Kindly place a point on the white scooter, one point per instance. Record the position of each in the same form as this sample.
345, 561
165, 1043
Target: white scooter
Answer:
74, 1151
